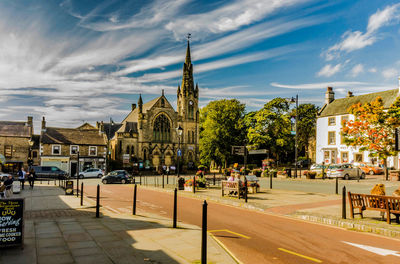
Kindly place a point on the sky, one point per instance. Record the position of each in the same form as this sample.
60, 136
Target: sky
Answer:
77, 61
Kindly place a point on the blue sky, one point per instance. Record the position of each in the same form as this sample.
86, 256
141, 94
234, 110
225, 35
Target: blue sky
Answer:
77, 61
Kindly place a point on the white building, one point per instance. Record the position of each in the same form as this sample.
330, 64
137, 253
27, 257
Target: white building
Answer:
329, 143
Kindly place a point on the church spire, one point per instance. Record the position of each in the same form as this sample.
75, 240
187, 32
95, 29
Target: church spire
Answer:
140, 103
187, 86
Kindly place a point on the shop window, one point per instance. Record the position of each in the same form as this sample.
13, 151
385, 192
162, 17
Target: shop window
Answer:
8, 151
92, 151
326, 155
331, 121
345, 157
74, 149
56, 149
331, 138
358, 158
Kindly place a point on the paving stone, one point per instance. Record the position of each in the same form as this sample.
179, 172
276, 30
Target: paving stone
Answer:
99, 232
77, 237
52, 250
50, 242
86, 251
59, 259
81, 244
49, 235
94, 259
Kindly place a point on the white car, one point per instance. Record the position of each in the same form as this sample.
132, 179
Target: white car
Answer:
345, 171
91, 173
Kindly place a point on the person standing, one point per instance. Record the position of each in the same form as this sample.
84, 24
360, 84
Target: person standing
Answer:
8, 183
31, 177
21, 177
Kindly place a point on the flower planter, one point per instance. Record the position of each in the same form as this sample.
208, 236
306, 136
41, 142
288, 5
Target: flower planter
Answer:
189, 188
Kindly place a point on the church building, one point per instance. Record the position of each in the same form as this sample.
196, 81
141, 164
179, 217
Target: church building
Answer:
149, 133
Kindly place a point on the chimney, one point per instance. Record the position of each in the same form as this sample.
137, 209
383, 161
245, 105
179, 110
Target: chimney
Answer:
43, 125
349, 94
329, 95
30, 121
133, 107
101, 128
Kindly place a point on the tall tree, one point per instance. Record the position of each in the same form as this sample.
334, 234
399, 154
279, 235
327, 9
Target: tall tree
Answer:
306, 125
221, 126
373, 129
270, 128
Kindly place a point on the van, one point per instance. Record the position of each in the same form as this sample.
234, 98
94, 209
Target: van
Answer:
49, 172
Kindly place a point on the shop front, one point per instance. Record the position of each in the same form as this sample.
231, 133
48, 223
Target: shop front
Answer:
91, 162
60, 162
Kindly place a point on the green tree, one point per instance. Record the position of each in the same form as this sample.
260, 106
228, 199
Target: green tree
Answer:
270, 128
221, 127
306, 126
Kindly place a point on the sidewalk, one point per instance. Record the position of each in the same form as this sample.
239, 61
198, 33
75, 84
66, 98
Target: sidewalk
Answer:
59, 230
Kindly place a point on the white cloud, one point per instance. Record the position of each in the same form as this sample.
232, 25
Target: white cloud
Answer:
390, 73
355, 40
359, 68
329, 70
373, 70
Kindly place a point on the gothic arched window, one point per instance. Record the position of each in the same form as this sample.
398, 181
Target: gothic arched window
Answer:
162, 129
191, 110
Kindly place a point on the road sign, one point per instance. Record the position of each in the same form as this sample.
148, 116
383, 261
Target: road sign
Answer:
257, 151
238, 150
179, 153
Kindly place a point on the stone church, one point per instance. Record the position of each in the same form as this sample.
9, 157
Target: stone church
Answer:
149, 133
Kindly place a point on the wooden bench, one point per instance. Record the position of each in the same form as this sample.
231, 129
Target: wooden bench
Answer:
232, 187
381, 203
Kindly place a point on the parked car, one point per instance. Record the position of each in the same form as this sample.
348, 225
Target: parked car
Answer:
91, 173
117, 176
370, 169
345, 171
49, 172
3, 176
318, 169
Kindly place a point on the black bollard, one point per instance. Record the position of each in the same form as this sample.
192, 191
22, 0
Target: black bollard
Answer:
270, 179
245, 190
82, 194
337, 185
163, 180
167, 177
134, 200
204, 235
214, 179
140, 179
98, 202
344, 202
194, 184
175, 207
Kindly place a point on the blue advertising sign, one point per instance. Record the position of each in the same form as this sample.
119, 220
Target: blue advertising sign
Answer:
179, 153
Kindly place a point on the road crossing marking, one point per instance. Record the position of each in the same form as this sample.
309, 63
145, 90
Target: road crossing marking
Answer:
376, 250
300, 255
228, 231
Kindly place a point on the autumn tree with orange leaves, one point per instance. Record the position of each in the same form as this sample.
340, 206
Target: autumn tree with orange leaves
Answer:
373, 129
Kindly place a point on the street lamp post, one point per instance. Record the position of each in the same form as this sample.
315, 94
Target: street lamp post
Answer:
179, 131
30, 158
108, 146
77, 177
295, 100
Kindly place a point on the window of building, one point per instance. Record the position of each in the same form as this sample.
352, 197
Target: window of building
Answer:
358, 157
188, 136
331, 121
344, 118
8, 151
331, 138
345, 156
56, 149
326, 155
162, 102
191, 110
34, 154
74, 149
162, 129
120, 147
132, 150
92, 151
193, 140
127, 150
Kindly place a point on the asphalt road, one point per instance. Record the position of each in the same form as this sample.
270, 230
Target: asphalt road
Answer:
256, 237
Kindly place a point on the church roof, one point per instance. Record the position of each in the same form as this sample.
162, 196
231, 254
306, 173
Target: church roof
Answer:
56, 135
341, 106
14, 129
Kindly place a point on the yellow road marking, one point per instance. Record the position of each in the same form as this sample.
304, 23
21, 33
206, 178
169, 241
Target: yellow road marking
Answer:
228, 231
300, 255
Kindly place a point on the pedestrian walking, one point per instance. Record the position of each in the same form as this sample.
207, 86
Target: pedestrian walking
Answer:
8, 183
31, 177
21, 177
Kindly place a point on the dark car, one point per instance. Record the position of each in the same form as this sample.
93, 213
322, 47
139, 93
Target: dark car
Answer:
117, 176
49, 172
